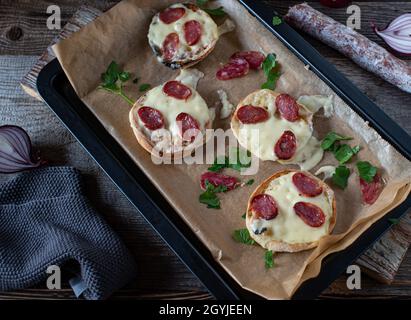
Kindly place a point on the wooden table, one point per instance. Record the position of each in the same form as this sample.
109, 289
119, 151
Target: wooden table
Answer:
24, 35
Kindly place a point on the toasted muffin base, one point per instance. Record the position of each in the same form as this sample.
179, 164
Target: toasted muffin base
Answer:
281, 246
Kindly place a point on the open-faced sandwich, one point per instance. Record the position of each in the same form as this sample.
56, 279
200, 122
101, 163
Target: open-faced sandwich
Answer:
171, 116
276, 127
291, 211
182, 35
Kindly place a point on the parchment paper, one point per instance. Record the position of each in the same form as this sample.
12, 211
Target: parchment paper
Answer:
121, 35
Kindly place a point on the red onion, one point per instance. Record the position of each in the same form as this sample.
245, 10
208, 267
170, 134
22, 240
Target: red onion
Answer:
398, 34
335, 3
15, 150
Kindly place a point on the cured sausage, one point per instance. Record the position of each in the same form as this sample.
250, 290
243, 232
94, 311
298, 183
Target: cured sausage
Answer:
371, 190
236, 68
286, 146
310, 214
170, 46
254, 58
151, 118
187, 122
218, 179
177, 90
355, 46
171, 15
264, 206
308, 186
250, 114
192, 32
287, 107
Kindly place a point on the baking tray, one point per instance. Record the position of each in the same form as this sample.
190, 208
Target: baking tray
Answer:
59, 95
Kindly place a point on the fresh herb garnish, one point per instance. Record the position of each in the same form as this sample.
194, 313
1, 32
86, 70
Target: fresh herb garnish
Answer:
270, 68
366, 171
340, 177
214, 12
144, 87
219, 164
269, 259
330, 139
243, 236
244, 215
394, 221
209, 196
344, 153
277, 21
113, 79
239, 160
249, 182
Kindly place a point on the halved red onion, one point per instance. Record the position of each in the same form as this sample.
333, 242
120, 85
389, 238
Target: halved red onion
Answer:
15, 150
398, 34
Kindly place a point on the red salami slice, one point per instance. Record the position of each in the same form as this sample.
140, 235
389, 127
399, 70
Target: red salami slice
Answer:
177, 90
151, 118
308, 186
237, 68
187, 122
287, 107
254, 58
371, 190
218, 179
192, 32
264, 206
250, 114
310, 214
286, 146
170, 46
171, 15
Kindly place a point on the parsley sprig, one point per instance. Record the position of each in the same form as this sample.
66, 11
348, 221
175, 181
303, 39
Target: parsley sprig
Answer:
277, 21
211, 11
366, 171
237, 161
269, 259
243, 236
113, 80
209, 196
271, 71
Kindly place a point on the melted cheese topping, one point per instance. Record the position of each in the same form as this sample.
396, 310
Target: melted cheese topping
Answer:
159, 31
269, 132
288, 226
171, 107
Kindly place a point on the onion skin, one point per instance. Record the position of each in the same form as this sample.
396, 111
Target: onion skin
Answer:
16, 150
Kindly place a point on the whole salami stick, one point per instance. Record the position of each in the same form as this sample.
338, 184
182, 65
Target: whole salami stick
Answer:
355, 46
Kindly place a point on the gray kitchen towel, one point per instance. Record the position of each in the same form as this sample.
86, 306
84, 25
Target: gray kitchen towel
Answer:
46, 220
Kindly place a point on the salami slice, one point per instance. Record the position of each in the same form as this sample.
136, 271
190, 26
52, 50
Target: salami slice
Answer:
192, 32
264, 206
371, 190
249, 114
286, 146
254, 58
151, 118
187, 122
310, 214
218, 179
287, 107
237, 68
308, 186
170, 46
171, 15
177, 90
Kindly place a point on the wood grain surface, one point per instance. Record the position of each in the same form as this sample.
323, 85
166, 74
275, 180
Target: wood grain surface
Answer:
24, 36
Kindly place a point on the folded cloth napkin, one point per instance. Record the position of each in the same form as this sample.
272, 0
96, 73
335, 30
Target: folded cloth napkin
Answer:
45, 220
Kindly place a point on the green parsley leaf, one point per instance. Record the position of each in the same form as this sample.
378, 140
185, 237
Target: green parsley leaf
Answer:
219, 12
366, 171
249, 182
340, 177
124, 76
243, 236
269, 259
240, 160
330, 139
144, 87
271, 80
201, 3
269, 63
209, 196
243, 216
219, 164
344, 153
277, 21
394, 221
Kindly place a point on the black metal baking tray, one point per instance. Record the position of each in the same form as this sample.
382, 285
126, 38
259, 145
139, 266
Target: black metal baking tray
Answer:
57, 92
